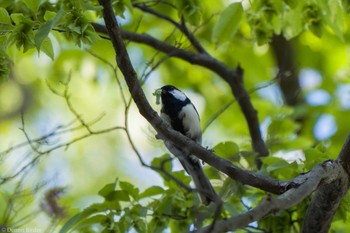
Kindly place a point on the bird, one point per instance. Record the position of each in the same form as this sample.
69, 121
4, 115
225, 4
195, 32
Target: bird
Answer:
178, 112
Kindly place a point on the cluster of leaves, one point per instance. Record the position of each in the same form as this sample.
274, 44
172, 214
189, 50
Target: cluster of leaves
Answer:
4, 65
171, 207
28, 23
289, 17
158, 209
125, 207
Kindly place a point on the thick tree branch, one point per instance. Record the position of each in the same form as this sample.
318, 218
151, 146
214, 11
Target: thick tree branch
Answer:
225, 166
234, 77
323, 173
326, 200
124, 63
344, 155
288, 81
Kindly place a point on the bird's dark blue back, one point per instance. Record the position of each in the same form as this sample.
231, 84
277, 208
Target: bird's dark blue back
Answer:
172, 106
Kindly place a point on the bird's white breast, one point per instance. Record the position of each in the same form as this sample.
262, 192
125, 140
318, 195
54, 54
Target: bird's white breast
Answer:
190, 120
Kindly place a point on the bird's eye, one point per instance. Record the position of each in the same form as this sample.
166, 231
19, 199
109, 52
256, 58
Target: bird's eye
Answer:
158, 93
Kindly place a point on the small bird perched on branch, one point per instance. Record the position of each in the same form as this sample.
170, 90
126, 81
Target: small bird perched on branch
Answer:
179, 112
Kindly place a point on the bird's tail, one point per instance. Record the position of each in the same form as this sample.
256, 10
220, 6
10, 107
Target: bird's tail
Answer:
194, 168
206, 191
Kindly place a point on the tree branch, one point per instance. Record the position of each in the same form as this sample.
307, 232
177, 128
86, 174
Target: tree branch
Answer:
124, 63
326, 173
330, 170
344, 155
234, 77
289, 83
182, 27
326, 200
225, 166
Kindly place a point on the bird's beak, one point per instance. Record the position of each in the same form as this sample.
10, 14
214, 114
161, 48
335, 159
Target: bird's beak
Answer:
158, 93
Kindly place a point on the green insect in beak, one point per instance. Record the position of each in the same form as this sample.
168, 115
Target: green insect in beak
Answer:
158, 94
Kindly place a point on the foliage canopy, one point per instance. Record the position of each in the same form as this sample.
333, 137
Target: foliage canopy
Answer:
67, 117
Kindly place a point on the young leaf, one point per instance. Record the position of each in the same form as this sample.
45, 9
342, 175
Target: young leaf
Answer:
139, 210
73, 221
273, 163
120, 195
47, 47
151, 191
140, 225
4, 16
32, 4
87, 223
44, 30
337, 18
49, 15
228, 23
17, 17
70, 223
107, 190
228, 150
129, 188
163, 161
190, 10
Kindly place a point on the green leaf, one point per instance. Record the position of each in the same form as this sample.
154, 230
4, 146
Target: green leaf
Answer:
190, 10
27, 42
17, 18
140, 225
4, 16
45, 29
227, 150
129, 188
120, 7
120, 195
87, 5
157, 225
292, 3
5, 29
282, 127
181, 175
70, 223
152, 191
32, 4
125, 222
279, 168
88, 222
165, 161
336, 18
4, 66
231, 189
313, 157
47, 47
343, 209
313, 18
49, 15
292, 22
139, 210
73, 221
228, 23
274, 163
107, 190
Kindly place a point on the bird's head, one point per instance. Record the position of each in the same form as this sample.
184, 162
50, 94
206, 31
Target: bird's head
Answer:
169, 92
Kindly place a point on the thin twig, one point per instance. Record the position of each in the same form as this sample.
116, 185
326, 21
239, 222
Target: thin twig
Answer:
115, 73
181, 26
